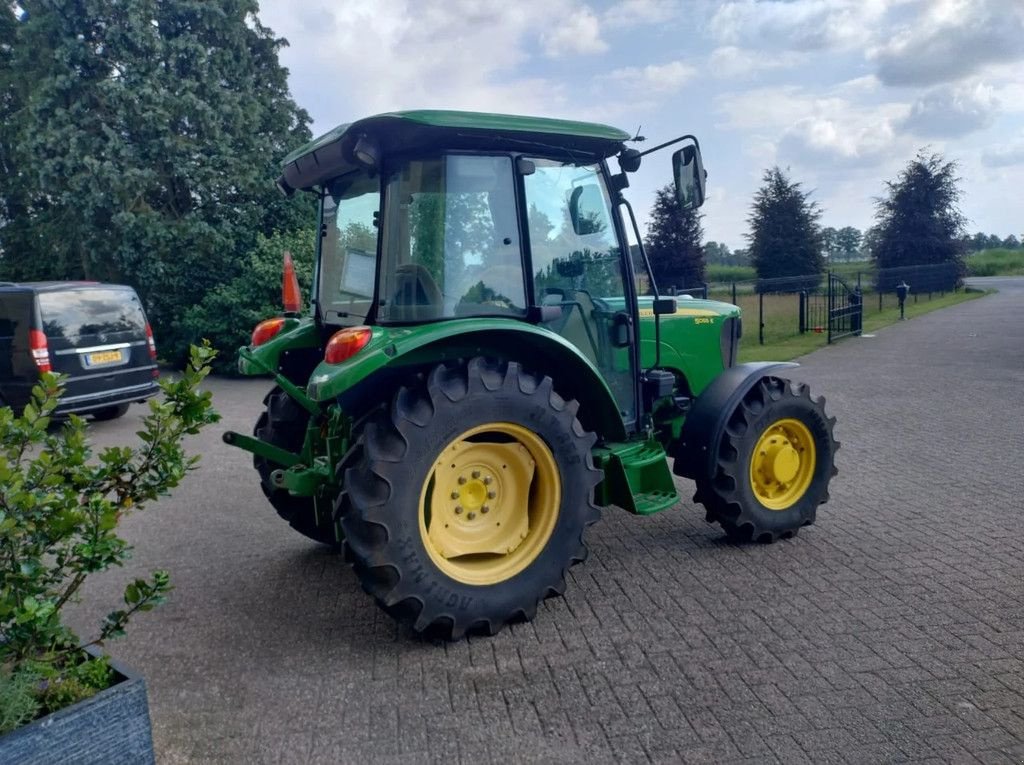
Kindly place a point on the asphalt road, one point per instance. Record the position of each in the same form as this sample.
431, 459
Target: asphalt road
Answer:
891, 630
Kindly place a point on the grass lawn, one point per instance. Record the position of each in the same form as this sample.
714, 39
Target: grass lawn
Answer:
996, 263
785, 347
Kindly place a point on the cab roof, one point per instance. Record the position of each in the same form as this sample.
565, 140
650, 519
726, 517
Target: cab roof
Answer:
331, 154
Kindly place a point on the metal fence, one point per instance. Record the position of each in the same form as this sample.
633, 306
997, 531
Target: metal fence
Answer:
833, 304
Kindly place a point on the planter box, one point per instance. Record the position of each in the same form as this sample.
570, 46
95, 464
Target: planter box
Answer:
111, 727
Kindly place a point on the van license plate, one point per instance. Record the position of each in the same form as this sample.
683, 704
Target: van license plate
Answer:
102, 357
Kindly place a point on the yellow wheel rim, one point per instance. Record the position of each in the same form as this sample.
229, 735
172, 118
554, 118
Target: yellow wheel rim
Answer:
490, 503
782, 464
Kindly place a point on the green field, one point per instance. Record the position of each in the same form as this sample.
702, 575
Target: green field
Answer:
996, 263
783, 341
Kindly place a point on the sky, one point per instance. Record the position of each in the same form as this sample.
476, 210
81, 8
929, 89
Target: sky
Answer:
841, 94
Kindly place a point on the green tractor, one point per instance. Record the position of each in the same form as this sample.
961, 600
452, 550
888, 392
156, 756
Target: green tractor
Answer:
488, 361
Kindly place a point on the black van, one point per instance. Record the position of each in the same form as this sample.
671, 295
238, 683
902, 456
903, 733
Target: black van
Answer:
96, 334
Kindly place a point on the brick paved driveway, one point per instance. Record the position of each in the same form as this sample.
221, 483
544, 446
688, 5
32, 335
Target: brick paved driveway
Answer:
892, 630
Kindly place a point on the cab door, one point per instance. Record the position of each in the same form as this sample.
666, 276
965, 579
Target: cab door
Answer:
577, 265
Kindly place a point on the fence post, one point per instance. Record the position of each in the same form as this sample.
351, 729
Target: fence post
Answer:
760, 315
830, 307
803, 311
734, 293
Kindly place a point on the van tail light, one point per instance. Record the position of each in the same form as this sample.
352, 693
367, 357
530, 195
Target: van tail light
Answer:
150, 341
290, 295
40, 351
152, 348
266, 330
346, 343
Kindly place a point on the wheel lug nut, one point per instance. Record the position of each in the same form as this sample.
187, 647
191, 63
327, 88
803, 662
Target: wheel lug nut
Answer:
471, 516
487, 480
491, 495
458, 510
462, 479
476, 473
485, 509
455, 495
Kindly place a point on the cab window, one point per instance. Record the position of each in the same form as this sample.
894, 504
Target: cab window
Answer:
452, 241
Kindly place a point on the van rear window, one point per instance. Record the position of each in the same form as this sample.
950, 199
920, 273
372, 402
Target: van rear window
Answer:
91, 312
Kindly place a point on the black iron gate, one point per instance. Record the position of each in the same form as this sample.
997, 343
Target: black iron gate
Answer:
837, 309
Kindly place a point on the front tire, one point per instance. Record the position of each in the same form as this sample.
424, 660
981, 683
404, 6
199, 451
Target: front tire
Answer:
774, 463
469, 498
283, 424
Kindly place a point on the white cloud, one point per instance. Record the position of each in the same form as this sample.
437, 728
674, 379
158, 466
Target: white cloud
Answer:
631, 13
814, 129
803, 25
731, 62
364, 56
652, 79
952, 111
950, 40
578, 32
1004, 155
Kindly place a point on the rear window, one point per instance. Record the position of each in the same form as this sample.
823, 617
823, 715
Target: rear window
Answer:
91, 312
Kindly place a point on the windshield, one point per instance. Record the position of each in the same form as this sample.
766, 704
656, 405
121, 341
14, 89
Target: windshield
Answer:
348, 248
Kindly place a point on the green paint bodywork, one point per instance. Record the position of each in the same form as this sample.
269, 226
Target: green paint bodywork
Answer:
636, 477
458, 120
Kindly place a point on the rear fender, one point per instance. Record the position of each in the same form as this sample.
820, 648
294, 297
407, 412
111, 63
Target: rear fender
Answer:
296, 336
694, 452
394, 354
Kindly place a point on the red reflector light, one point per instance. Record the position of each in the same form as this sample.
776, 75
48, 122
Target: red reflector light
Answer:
265, 330
346, 343
150, 342
40, 352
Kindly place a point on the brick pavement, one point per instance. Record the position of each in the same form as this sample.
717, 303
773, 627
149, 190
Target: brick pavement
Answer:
892, 630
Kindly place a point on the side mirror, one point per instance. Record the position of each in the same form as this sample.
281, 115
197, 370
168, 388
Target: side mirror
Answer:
689, 173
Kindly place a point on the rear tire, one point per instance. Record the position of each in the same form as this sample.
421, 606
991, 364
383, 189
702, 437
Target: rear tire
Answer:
482, 434
774, 463
284, 424
110, 412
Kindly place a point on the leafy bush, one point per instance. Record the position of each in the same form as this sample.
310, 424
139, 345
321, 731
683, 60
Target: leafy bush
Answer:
59, 513
228, 312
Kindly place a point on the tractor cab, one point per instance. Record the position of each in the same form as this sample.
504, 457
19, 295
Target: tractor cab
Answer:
432, 216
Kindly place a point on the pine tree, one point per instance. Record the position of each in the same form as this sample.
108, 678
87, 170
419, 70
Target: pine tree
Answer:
148, 146
785, 238
674, 242
919, 221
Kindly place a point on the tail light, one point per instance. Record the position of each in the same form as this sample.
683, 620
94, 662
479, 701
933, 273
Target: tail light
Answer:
150, 342
290, 295
152, 348
266, 330
346, 343
40, 351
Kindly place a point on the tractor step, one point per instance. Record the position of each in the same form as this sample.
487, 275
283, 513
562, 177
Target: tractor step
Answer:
636, 477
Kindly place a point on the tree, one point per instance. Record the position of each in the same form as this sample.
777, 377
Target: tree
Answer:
1011, 243
785, 238
847, 242
919, 221
829, 245
151, 129
673, 242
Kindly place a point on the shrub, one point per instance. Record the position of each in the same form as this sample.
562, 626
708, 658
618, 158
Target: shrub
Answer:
59, 513
228, 312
